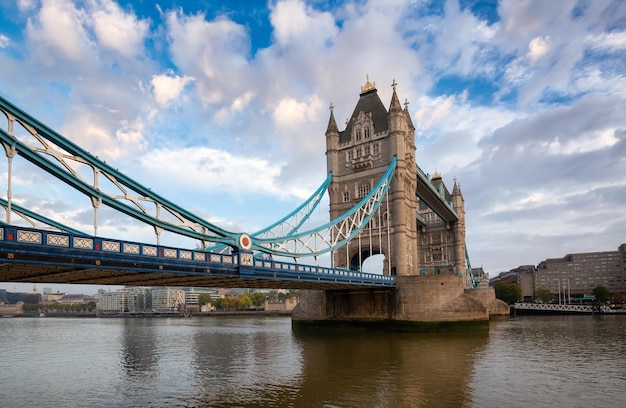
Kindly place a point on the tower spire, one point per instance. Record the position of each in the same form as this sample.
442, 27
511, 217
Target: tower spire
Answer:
395, 102
332, 124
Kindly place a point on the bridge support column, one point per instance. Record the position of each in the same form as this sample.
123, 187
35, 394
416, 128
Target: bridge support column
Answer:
430, 299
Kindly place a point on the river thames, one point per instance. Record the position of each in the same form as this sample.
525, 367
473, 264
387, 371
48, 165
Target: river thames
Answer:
243, 361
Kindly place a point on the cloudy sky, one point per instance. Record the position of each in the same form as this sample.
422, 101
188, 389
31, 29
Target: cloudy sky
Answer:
222, 106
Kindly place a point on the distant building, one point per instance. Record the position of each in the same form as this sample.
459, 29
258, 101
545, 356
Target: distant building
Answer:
192, 295
573, 275
7, 310
281, 305
578, 274
481, 277
113, 302
167, 299
139, 298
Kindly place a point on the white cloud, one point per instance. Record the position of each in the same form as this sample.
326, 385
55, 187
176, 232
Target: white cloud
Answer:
98, 131
298, 25
538, 47
291, 114
119, 31
4, 41
167, 88
614, 41
212, 52
59, 30
214, 171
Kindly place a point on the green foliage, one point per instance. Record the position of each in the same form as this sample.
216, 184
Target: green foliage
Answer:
204, 298
601, 293
258, 299
544, 295
508, 292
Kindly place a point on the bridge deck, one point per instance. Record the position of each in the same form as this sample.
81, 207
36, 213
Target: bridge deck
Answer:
38, 256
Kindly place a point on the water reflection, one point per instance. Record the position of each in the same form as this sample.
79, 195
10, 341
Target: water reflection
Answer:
138, 351
373, 369
245, 362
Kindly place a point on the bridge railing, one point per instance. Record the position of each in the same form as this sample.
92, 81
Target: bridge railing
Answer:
313, 269
55, 240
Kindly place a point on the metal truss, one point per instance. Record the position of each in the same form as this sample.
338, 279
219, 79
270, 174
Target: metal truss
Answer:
291, 223
334, 234
61, 158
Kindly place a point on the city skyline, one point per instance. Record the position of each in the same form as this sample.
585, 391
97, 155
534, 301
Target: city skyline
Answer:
222, 107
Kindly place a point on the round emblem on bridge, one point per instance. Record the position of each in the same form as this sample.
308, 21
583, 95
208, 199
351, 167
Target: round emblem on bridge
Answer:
245, 242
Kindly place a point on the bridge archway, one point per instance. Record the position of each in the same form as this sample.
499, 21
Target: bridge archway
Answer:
369, 260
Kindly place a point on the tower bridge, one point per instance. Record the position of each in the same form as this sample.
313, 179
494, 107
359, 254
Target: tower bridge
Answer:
381, 203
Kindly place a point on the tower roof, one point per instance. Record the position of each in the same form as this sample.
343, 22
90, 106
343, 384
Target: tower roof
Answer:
332, 124
369, 101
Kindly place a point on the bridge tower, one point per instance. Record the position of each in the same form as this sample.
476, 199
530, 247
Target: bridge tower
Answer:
419, 241
419, 228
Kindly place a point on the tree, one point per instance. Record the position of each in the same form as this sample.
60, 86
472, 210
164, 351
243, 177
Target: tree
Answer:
544, 295
204, 298
258, 298
245, 302
508, 292
601, 293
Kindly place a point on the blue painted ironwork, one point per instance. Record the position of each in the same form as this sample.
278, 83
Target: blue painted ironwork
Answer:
33, 255
57, 155
426, 180
53, 157
336, 233
292, 222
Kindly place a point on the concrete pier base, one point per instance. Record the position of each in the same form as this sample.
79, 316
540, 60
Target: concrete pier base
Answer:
420, 299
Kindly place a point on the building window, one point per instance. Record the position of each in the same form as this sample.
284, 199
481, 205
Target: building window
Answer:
346, 196
358, 152
364, 189
358, 134
367, 150
367, 132
350, 155
376, 149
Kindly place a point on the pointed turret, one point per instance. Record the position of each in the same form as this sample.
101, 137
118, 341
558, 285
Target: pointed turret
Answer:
395, 102
332, 143
408, 115
457, 197
332, 124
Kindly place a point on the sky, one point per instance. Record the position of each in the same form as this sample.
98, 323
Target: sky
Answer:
221, 107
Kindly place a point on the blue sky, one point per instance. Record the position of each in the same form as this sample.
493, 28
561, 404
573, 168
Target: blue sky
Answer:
222, 106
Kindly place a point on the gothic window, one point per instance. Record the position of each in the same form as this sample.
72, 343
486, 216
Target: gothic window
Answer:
448, 238
376, 149
366, 132
358, 152
350, 155
346, 196
363, 190
358, 134
436, 238
367, 150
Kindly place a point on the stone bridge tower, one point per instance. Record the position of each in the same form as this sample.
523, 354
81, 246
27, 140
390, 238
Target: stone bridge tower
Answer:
419, 241
420, 229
